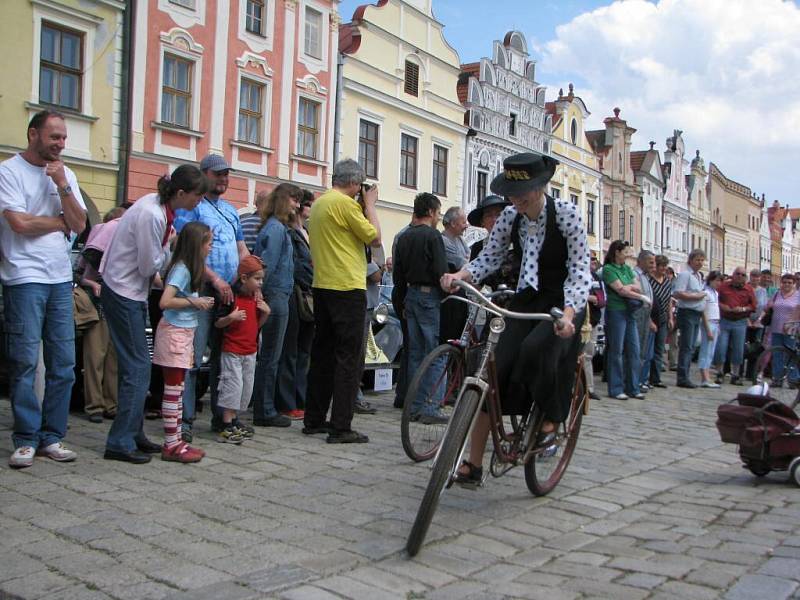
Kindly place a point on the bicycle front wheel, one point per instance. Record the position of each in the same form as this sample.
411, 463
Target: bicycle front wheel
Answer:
433, 391
545, 469
444, 467
778, 367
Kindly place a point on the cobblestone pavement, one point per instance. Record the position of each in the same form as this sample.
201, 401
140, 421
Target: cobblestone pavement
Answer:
653, 506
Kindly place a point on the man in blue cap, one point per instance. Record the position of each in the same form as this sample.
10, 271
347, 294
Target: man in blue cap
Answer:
221, 265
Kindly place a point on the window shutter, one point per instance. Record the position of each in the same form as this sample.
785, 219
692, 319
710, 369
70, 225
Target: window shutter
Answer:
412, 78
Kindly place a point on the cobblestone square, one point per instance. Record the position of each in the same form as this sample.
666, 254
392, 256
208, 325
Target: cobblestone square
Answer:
652, 506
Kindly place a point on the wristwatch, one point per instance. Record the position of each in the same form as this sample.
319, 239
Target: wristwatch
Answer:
65, 191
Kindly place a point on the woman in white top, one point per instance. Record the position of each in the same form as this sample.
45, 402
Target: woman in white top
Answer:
709, 332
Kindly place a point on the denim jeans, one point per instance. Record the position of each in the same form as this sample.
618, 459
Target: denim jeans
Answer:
126, 324
779, 358
647, 356
688, 323
422, 314
707, 345
272, 334
36, 313
622, 336
204, 335
730, 344
659, 348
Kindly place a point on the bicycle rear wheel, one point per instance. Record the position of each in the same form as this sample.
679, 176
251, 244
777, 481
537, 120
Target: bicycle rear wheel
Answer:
783, 381
435, 386
443, 468
543, 470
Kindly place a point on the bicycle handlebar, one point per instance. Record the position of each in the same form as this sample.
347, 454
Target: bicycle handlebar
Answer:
483, 302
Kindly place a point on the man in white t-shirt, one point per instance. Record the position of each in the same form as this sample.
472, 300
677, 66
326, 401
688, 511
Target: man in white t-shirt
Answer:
41, 206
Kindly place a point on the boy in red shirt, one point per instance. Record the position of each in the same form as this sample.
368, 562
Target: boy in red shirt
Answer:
241, 320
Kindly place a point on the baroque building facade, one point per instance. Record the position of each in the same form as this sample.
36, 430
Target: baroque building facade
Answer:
621, 197
675, 236
577, 177
251, 80
505, 113
648, 172
400, 115
733, 200
68, 56
699, 206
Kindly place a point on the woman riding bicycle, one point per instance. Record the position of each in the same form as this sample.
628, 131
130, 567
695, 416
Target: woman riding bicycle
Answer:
533, 361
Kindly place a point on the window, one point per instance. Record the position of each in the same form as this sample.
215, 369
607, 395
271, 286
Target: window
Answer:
439, 186
590, 217
307, 128
368, 148
606, 222
250, 111
254, 21
176, 97
621, 225
647, 231
693, 246
574, 199
631, 232
481, 187
185, 3
313, 33
412, 78
408, 160
555, 193
668, 239
512, 125
60, 67
573, 132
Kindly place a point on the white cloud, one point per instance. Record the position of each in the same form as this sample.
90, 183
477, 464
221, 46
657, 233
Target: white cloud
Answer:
723, 71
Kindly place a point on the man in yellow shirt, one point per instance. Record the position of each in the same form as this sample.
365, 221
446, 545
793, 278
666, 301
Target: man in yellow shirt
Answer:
339, 228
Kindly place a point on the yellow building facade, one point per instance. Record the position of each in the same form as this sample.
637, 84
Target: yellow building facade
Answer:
66, 55
400, 116
577, 177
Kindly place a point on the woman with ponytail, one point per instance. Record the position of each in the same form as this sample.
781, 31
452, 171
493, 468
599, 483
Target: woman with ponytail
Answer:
137, 252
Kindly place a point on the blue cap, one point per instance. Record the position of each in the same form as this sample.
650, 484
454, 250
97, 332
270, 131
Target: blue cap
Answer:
215, 162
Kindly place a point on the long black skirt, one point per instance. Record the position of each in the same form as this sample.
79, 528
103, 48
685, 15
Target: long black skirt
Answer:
533, 363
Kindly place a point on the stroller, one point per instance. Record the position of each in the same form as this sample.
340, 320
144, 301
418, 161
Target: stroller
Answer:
766, 430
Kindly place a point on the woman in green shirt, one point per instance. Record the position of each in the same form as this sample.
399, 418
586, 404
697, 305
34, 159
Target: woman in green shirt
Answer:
620, 327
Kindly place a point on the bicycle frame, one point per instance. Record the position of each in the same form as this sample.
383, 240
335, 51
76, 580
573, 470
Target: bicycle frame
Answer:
484, 381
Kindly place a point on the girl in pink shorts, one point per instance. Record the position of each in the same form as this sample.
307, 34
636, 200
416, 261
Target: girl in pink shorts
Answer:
174, 350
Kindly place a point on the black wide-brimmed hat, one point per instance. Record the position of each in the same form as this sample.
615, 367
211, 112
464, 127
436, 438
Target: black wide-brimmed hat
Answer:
523, 172
476, 214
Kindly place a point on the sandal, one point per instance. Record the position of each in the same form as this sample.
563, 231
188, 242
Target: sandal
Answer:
472, 478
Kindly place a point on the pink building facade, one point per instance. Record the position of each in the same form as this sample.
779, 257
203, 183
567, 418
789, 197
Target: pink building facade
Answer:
252, 80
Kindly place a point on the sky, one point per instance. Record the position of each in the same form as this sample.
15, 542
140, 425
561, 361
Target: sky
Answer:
722, 71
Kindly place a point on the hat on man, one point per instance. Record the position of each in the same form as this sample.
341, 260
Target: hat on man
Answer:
522, 173
214, 162
476, 214
250, 264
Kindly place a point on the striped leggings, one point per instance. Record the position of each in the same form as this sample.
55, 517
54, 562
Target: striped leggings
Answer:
172, 405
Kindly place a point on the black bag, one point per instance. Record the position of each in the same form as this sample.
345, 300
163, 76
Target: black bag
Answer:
766, 318
632, 304
305, 304
93, 256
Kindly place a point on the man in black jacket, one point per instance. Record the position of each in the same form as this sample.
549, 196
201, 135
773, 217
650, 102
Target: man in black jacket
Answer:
419, 262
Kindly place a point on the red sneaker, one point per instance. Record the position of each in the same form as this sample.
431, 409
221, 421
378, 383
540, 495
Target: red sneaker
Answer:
295, 415
182, 453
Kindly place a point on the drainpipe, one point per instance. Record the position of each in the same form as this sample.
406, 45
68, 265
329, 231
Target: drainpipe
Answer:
125, 101
337, 115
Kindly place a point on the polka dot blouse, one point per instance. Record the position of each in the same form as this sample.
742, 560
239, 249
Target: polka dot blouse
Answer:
532, 233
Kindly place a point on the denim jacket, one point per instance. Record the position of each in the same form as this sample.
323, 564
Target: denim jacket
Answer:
274, 246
